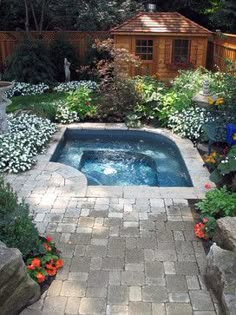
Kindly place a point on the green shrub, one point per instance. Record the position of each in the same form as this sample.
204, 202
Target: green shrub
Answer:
60, 48
16, 227
118, 101
189, 82
150, 93
30, 63
218, 203
80, 101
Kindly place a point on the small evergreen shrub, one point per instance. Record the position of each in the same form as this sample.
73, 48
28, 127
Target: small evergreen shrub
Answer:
60, 48
16, 227
30, 63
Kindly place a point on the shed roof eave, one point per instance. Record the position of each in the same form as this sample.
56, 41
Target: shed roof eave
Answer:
161, 34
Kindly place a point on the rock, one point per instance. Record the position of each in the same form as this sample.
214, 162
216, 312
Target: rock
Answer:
17, 289
225, 233
221, 277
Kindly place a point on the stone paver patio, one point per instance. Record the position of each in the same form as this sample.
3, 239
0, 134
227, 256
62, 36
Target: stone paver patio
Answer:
123, 253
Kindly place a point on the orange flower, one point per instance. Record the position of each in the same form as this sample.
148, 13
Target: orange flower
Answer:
40, 277
47, 247
59, 263
48, 238
36, 262
52, 271
31, 267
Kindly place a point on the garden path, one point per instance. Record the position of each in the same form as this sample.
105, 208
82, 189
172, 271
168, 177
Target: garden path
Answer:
122, 255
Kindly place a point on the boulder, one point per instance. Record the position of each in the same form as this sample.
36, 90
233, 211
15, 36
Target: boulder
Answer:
17, 289
225, 233
221, 277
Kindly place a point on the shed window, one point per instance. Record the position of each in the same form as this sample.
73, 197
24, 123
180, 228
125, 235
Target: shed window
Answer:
144, 49
180, 53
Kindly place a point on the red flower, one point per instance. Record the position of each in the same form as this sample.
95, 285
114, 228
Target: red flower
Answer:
52, 271
36, 262
40, 277
204, 220
48, 238
207, 186
49, 266
59, 263
31, 267
47, 247
199, 230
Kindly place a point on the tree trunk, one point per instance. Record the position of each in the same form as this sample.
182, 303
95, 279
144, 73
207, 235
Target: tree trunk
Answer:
26, 16
34, 16
42, 16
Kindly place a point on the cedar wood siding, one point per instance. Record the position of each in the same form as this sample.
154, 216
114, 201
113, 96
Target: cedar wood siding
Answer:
162, 53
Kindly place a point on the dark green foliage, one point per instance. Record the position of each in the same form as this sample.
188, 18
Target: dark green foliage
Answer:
119, 100
16, 227
45, 110
96, 15
30, 63
60, 48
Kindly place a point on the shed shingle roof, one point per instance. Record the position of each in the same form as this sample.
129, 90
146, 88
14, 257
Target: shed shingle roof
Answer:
160, 22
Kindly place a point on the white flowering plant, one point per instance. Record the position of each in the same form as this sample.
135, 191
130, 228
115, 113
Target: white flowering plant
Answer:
28, 136
64, 114
189, 122
21, 88
75, 85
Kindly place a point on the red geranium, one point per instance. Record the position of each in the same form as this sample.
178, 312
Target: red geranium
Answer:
36, 262
40, 277
51, 271
31, 267
199, 230
207, 186
59, 263
48, 238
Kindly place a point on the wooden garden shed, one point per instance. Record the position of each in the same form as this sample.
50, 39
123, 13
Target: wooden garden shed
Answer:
165, 41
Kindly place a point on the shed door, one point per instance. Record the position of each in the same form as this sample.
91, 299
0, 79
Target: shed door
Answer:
145, 48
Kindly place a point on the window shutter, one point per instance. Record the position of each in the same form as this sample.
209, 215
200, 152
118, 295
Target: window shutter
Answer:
168, 51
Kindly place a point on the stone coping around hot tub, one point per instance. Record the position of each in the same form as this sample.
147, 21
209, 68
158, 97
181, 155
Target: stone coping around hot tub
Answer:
193, 161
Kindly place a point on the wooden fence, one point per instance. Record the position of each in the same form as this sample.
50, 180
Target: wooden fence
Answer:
221, 49
80, 40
